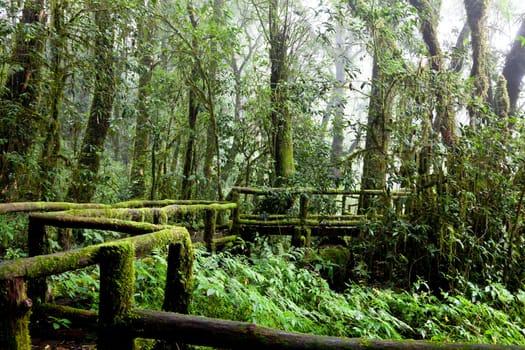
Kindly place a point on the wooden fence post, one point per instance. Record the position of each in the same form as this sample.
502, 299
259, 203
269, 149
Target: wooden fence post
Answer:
179, 286
210, 226
236, 213
117, 279
14, 322
37, 245
301, 236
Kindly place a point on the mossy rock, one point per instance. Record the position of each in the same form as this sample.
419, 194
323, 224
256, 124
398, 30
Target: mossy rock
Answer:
336, 261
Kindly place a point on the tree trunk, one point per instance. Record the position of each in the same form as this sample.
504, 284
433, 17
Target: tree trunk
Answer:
52, 144
18, 100
187, 180
377, 133
338, 104
212, 138
281, 118
477, 21
141, 142
445, 121
85, 173
514, 69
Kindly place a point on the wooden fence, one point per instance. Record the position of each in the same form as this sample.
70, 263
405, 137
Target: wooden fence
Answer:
346, 220
118, 322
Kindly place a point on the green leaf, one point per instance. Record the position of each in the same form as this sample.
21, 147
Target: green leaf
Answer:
522, 39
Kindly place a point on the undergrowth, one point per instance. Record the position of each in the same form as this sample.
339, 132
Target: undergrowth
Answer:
275, 288
269, 289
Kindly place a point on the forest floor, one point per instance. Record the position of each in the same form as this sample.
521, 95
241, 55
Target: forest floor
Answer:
66, 339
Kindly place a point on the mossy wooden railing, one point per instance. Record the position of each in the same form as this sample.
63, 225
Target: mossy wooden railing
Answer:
303, 224
157, 212
118, 322
116, 276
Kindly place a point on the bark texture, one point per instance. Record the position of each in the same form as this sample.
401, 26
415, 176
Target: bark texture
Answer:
142, 132
19, 119
477, 21
514, 68
84, 179
281, 118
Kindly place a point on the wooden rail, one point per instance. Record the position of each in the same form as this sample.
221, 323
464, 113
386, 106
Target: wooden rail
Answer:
116, 276
118, 216
118, 323
303, 225
204, 331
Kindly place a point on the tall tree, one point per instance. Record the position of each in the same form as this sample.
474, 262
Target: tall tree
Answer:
378, 125
19, 98
279, 33
385, 56
477, 21
212, 136
51, 149
428, 13
85, 173
337, 105
145, 35
514, 68
193, 111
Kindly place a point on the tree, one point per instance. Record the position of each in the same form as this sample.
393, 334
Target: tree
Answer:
428, 14
337, 104
477, 18
279, 33
514, 68
84, 179
145, 35
51, 149
386, 63
20, 121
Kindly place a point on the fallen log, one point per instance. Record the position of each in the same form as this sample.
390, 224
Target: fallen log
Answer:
205, 331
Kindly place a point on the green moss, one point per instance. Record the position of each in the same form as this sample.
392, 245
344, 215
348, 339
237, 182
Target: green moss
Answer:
117, 281
337, 261
14, 323
179, 279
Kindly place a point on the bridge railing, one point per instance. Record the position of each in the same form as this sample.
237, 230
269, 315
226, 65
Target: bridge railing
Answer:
116, 275
301, 224
205, 215
118, 322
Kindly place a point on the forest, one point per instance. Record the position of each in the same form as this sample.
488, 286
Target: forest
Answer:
106, 101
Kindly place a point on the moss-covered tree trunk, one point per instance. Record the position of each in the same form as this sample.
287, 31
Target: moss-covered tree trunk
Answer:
139, 163
14, 323
477, 21
84, 179
212, 135
187, 173
378, 130
338, 104
52, 145
514, 68
428, 15
280, 116
19, 119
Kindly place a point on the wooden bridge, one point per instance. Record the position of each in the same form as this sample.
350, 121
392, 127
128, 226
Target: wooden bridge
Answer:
144, 226
343, 218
